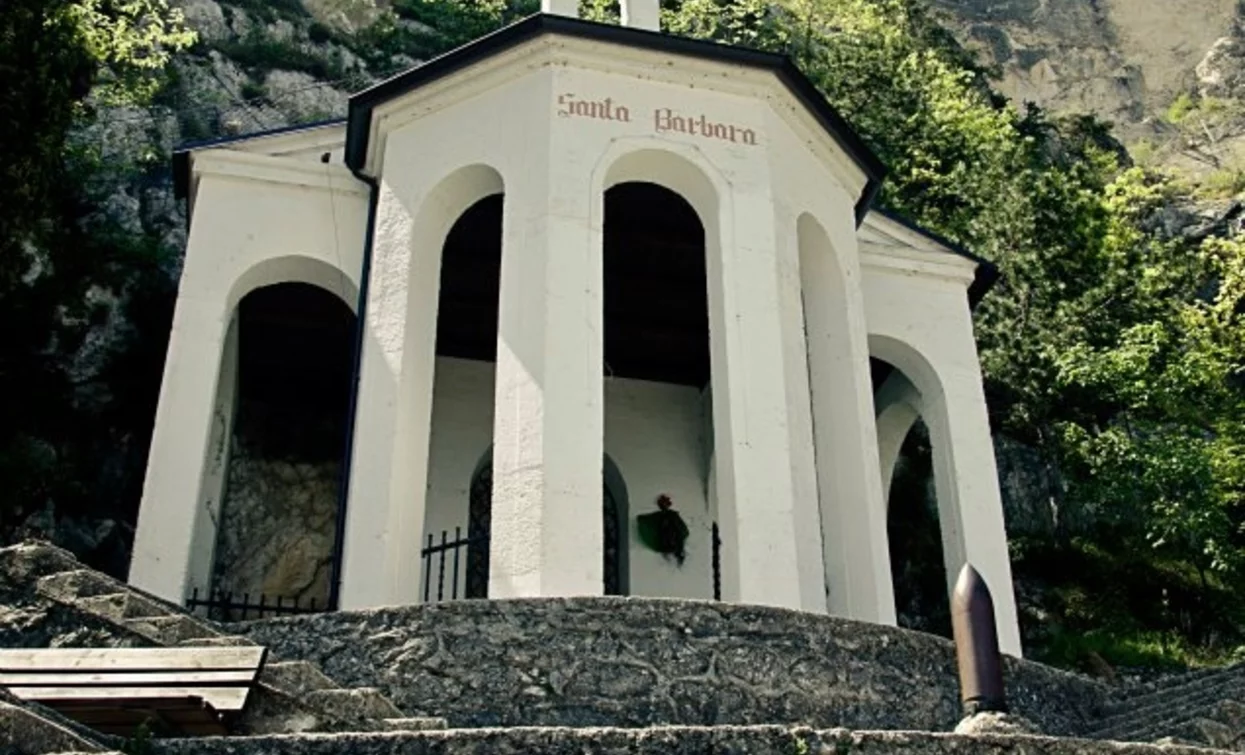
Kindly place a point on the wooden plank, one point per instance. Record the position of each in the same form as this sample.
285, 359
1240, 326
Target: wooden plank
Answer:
220, 698
121, 678
132, 659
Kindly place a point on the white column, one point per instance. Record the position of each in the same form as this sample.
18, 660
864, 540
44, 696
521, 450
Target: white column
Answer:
853, 514
389, 461
756, 499
970, 507
548, 432
809, 547
174, 539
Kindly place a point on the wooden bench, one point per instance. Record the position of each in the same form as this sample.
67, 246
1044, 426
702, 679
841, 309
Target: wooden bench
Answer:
189, 691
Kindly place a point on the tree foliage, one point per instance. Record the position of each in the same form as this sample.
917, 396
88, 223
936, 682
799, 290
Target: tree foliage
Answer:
59, 60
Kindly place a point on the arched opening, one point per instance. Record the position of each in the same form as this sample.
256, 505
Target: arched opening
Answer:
459, 494
914, 531
657, 380
278, 520
614, 514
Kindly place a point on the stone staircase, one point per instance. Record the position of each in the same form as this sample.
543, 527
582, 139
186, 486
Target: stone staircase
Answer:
292, 696
1205, 709
297, 709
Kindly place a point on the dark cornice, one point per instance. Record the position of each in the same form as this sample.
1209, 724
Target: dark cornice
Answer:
181, 158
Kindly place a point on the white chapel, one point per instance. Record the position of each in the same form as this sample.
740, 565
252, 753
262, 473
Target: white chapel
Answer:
529, 288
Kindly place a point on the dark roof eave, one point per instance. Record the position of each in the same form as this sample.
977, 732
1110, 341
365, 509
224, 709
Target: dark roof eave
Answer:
181, 157
358, 130
984, 277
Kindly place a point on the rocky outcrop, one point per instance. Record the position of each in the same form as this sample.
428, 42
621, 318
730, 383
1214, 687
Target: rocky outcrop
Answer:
1125, 60
277, 529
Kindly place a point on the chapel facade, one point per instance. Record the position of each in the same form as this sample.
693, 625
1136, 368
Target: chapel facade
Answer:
529, 287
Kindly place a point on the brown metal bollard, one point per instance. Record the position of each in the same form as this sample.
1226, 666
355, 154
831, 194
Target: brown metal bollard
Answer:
977, 645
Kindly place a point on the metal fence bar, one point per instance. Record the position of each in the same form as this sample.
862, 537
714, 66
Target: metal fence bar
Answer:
458, 535
441, 570
223, 606
427, 570
717, 563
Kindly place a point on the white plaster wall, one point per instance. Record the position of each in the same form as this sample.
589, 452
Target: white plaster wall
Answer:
653, 433
257, 220
462, 431
818, 262
921, 323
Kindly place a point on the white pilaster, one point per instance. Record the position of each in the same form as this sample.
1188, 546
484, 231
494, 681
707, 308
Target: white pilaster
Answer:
560, 7
641, 14
176, 531
756, 499
389, 461
548, 438
970, 507
853, 515
808, 544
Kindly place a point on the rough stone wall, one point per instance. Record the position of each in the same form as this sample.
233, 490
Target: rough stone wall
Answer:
277, 528
641, 662
752, 740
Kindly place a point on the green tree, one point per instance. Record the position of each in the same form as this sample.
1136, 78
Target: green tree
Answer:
59, 60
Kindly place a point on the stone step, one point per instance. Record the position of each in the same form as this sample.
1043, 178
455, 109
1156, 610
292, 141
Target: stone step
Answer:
24, 562
1175, 693
1214, 733
31, 734
429, 723
170, 630
1133, 725
79, 583
661, 740
222, 640
122, 605
361, 704
1195, 702
296, 677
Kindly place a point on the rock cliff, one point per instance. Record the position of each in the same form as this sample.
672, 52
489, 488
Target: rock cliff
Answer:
1125, 60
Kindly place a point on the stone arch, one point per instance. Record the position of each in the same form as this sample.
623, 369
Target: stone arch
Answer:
923, 561
283, 399
680, 169
294, 268
615, 510
629, 170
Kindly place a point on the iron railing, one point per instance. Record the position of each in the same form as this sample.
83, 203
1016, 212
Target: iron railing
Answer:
448, 558
451, 554
230, 607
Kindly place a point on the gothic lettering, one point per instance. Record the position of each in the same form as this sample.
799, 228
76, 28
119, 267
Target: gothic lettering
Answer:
665, 119
604, 110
